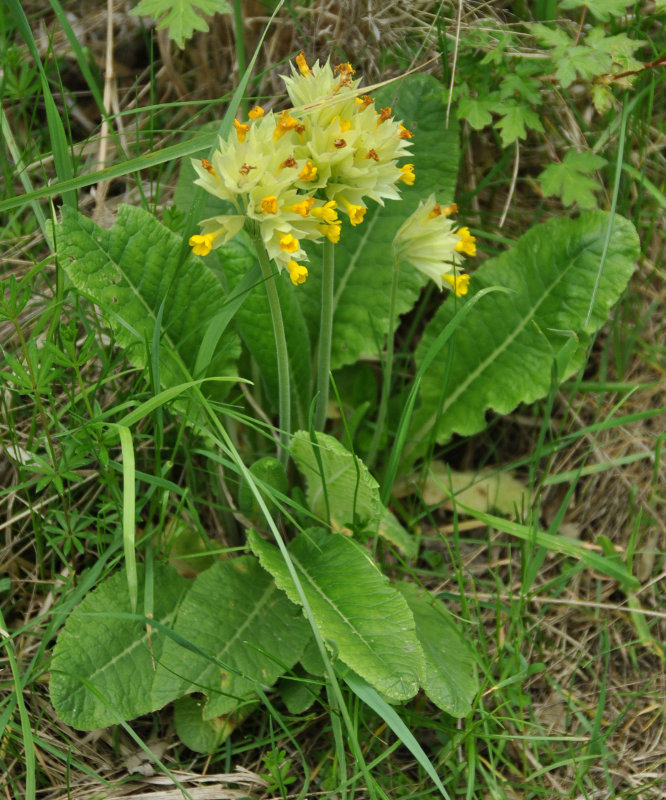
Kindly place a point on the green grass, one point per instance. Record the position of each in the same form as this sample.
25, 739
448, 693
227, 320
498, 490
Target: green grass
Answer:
570, 661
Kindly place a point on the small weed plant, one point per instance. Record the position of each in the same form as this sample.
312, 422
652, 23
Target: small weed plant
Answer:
322, 224
297, 334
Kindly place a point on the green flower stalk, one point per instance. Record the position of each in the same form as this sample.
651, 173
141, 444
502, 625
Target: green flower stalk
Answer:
288, 176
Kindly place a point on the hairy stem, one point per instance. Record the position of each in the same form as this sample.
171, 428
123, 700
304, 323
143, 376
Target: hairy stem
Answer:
325, 335
284, 399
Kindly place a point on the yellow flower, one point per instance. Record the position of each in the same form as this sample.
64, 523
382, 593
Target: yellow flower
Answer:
459, 283
256, 112
208, 167
429, 242
303, 208
327, 212
308, 173
345, 124
269, 204
201, 245
289, 243
297, 272
356, 213
407, 174
404, 133
302, 64
467, 243
241, 130
284, 124
331, 232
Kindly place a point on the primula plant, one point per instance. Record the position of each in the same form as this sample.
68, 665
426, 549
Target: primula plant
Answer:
324, 221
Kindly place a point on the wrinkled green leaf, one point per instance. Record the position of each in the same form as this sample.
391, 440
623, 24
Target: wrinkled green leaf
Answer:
199, 734
504, 354
235, 615
351, 491
450, 672
569, 179
353, 494
363, 263
364, 621
104, 661
129, 271
181, 15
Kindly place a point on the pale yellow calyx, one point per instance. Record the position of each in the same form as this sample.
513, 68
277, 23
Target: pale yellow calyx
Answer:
302, 208
201, 245
269, 204
467, 243
241, 130
327, 212
459, 283
407, 174
256, 112
289, 243
302, 64
297, 272
308, 173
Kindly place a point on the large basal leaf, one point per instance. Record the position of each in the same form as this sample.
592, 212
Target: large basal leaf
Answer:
103, 664
364, 621
236, 615
503, 355
130, 270
332, 473
352, 492
450, 672
363, 261
255, 325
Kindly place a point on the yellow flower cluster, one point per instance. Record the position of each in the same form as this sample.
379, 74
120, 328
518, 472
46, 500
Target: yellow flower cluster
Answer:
429, 240
292, 174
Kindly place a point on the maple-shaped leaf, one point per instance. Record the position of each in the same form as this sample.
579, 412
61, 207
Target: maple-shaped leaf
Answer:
522, 84
602, 97
550, 37
477, 110
515, 118
601, 9
570, 179
181, 15
580, 61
